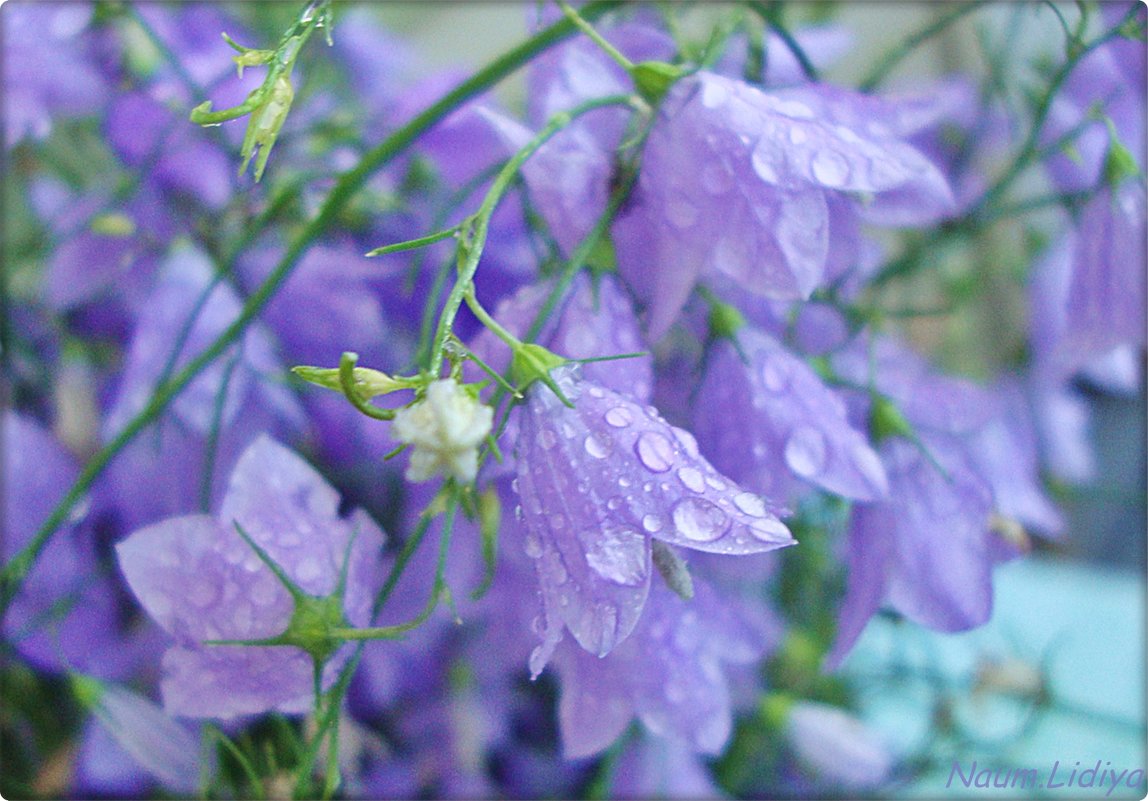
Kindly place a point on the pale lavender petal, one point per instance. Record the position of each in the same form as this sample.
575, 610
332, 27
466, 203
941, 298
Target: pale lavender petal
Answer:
596, 482
780, 422
838, 747
229, 681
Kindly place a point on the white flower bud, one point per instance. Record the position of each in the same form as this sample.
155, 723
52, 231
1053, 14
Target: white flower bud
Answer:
445, 429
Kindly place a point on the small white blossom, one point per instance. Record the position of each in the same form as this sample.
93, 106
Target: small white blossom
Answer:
445, 429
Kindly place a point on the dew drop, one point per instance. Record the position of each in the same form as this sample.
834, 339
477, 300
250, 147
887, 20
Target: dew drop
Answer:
596, 392
750, 504
680, 212
713, 94
805, 451
763, 162
613, 503
619, 417
774, 374
308, 570
597, 446
716, 483
769, 530
699, 520
624, 482
830, 169
692, 478
655, 451
533, 546
652, 523
547, 439
617, 555
797, 135
794, 109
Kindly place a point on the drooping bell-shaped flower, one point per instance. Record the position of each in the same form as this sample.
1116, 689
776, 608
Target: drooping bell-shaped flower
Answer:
597, 482
780, 425
200, 580
669, 674
734, 181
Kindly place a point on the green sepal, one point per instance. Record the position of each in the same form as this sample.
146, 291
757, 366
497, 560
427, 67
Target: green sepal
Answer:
774, 709
653, 79
886, 420
725, 321
673, 570
368, 383
88, 691
1119, 163
531, 363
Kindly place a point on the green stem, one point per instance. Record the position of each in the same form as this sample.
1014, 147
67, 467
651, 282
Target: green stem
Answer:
475, 240
345, 188
598, 38
896, 56
769, 13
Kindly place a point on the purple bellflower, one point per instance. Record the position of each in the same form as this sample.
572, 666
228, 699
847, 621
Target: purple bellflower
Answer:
200, 580
781, 425
669, 673
596, 483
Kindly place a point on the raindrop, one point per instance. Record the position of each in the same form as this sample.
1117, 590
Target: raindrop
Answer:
692, 479
750, 504
596, 392
797, 135
597, 446
716, 483
713, 94
774, 374
655, 451
699, 520
624, 482
830, 169
805, 451
652, 523
793, 108
308, 570
680, 212
617, 555
547, 439
763, 163
770, 530
619, 417
613, 503
533, 546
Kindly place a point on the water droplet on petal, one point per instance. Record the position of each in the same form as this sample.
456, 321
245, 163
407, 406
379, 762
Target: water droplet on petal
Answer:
830, 169
619, 417
699, 520
681, 212
547, 439
655, 451
692, 478
597, 446
652, 523
713, 94
797, 135
596, 392
770, 530
532, 546
624, 482
617, 555
774, 374
716, 483
805, 451
750, 504
308, 570
764, 162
